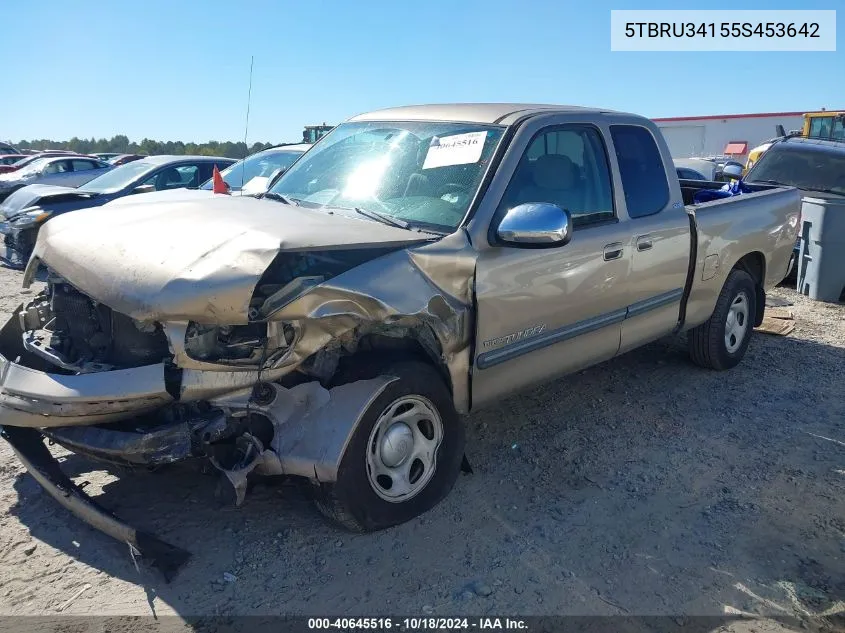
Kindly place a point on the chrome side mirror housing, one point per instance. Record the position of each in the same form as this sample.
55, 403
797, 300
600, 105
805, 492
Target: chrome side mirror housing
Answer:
535, 224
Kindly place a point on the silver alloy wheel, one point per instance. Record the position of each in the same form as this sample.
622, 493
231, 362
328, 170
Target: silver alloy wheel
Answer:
402, 451
736, 323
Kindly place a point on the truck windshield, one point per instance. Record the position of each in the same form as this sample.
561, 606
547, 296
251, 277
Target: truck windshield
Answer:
423, 173
808, 167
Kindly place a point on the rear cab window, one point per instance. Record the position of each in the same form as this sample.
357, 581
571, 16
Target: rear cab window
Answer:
641, 170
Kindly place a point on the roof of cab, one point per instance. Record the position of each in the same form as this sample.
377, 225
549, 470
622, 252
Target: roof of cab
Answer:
495, 113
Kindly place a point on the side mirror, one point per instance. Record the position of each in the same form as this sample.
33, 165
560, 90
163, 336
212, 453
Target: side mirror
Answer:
536, 224
144, 189
732, 172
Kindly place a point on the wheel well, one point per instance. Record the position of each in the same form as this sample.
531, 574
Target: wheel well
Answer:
375, 350
755, 265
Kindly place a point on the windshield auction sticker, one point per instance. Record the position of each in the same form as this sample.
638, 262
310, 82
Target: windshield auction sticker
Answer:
736, 31
458, 149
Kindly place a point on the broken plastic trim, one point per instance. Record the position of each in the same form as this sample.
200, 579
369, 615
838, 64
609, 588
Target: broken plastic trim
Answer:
163, 444
28, 445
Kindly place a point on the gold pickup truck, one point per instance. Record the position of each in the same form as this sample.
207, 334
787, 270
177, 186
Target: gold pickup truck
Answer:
415, 264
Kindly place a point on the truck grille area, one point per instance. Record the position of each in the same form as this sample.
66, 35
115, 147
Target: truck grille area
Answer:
69, 330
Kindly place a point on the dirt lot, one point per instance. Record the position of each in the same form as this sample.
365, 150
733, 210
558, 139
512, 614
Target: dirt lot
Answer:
642, 486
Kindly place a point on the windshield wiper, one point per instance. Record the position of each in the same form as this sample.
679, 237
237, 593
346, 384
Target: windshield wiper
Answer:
382, 217
272, 195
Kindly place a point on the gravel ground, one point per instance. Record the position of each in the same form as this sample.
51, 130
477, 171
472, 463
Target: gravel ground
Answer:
643, 486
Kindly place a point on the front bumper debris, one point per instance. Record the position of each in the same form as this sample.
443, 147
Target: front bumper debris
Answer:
39, 399
36, 399
28, 445
127, 444
311, 429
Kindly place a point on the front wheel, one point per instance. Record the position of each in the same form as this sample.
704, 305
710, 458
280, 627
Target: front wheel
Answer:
721, 341
403, 458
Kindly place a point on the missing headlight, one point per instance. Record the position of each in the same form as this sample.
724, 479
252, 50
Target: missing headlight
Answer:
237, 344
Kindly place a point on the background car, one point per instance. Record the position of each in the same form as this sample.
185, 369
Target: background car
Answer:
816, 167
70, 171
106, 156
689, 174
5, 148
11, 159
256, 172
122, 159
710, 169
26, 159
26, 210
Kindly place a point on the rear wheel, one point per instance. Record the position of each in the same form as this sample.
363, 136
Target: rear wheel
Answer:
403, 458
721, 341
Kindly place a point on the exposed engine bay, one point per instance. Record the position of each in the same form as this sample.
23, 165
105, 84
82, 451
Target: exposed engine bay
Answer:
71, 331
64, 327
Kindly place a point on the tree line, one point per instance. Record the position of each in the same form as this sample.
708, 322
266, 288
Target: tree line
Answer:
121, 144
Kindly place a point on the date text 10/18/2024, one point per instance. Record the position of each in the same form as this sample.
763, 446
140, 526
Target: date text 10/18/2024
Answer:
417, 624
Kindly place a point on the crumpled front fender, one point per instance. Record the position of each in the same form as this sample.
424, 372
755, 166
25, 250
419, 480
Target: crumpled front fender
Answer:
425, 292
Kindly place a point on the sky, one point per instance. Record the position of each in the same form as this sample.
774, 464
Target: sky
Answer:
180, 70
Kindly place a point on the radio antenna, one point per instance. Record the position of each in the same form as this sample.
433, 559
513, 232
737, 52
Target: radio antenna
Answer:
246, 126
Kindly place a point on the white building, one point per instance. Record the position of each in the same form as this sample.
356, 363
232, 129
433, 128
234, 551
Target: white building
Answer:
724, 134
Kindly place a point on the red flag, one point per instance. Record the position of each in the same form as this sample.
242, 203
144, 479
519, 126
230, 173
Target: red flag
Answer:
220, 185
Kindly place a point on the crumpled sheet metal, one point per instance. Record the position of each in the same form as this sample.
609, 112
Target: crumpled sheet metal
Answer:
215, 288
30, 449
426, 290
313, 426
164, 444
191, 260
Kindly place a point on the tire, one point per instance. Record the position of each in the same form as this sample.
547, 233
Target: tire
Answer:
716, 345
362, 502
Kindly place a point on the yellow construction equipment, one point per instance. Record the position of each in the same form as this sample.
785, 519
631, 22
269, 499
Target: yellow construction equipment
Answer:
822, 125
313, 133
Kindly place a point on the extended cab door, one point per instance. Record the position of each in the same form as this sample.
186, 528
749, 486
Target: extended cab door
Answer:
543, 312
659, 234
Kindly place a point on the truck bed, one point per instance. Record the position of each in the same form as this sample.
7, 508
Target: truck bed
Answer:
724, 231
690, 187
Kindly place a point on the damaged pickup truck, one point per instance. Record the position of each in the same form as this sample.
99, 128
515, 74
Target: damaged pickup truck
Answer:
418, 263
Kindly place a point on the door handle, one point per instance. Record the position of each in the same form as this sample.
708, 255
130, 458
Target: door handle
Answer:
613, 251
644, 243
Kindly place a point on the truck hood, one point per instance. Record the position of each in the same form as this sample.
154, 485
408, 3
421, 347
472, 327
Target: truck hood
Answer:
171, 195
39, 194
194, 259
